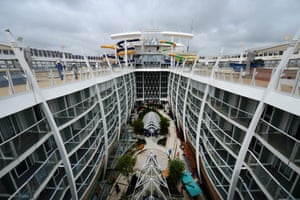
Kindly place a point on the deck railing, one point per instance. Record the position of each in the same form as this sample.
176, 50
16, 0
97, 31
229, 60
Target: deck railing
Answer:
13, 81
289, 81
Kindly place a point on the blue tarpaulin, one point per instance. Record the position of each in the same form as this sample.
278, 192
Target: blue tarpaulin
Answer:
190, 185
237, 66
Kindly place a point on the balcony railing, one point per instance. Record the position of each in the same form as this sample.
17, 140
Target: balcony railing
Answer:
289, 81
13, 81
266, 179
280, 140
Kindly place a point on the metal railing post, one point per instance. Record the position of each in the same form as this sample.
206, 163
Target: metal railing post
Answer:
10, 83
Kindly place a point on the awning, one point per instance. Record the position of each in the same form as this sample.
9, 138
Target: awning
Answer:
190, 185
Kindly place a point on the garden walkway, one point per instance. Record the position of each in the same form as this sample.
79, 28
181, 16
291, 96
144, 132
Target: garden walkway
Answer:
160, 151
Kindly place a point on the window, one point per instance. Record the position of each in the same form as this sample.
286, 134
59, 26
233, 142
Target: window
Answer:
22, 168
35, 52
49, 145
285, 170
6, 128
294, 127
58, 175
257, 148
268, 113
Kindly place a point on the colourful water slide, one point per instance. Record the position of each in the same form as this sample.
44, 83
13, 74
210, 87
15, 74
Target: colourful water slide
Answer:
120, 43
168, 42
108, 46
111, 56
121, 52
181, 57
121, 49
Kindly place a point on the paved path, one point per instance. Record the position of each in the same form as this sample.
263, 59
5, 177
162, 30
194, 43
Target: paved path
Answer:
160, 151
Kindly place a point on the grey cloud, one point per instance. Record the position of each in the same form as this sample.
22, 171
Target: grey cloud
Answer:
87, 24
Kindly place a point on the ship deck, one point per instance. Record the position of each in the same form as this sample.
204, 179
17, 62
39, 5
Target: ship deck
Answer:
48, 79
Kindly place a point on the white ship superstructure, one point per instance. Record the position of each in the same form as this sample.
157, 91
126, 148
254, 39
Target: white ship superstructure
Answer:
241, 128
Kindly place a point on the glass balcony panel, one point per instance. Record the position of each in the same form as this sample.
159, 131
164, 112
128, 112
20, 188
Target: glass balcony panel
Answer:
274, 188
281, 141
244, 190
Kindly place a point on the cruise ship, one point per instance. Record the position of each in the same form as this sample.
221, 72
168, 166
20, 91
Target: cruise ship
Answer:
240, 127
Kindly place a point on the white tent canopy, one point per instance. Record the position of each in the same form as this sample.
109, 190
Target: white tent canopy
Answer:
151, 122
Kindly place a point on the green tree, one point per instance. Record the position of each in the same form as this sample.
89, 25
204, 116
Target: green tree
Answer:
164, 125
176, 169
138, 126
125, 165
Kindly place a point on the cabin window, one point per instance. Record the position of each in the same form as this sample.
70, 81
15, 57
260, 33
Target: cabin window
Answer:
257, 147
22, 168
49, 146
285, 171
268, 113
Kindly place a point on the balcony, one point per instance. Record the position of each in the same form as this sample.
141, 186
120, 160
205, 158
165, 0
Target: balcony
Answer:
280, 141
13, 148
264, 178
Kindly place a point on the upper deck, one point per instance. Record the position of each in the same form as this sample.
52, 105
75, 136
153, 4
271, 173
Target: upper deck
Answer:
145, 52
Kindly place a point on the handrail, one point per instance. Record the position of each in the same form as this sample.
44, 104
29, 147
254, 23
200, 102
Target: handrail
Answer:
35, 173
84, 128
267, 172
220, 129
72, 106
22, 132
49, 81
74, 119
215, 177
242, 181
280, 131
84, 140
222, 144
232, 107
57, 188
229, 119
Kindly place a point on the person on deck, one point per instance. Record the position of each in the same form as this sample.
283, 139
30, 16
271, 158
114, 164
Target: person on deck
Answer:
60, 69
75, 70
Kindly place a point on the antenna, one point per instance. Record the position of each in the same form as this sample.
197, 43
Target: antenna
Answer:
192, 26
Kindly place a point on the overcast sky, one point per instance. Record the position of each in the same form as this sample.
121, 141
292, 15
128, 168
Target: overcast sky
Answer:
86, 24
